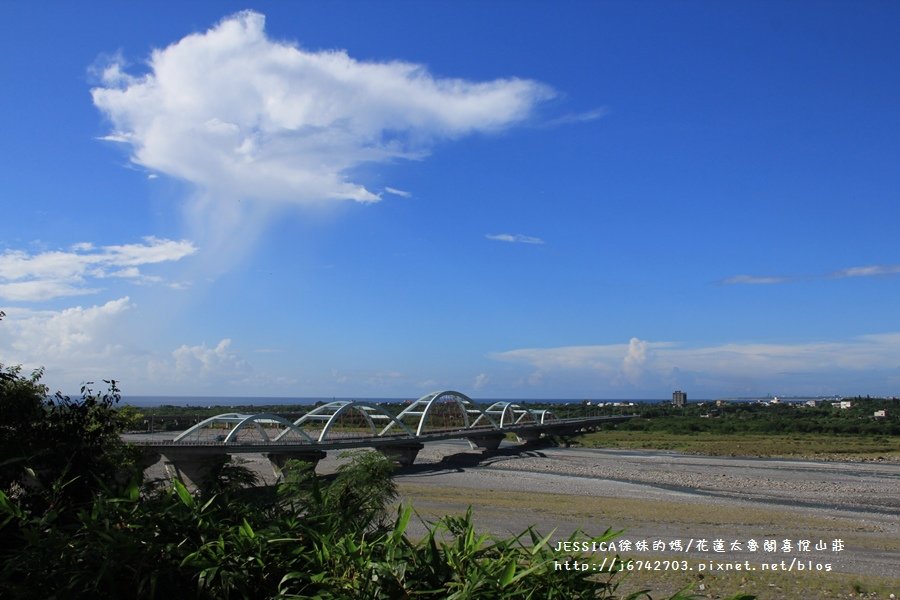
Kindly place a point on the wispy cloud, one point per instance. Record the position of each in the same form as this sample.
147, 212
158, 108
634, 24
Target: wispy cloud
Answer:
754, 280
514, 238
396, 192
582, 117
869, 271
25, 291
865, 271
244, 117
47, 275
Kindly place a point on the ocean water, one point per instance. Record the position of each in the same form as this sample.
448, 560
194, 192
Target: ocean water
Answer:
209, 401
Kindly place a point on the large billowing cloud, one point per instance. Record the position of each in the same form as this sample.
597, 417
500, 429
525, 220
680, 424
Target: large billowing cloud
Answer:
244, 117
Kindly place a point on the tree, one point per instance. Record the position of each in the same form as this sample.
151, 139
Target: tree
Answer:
21, 411
55, 449
130, 418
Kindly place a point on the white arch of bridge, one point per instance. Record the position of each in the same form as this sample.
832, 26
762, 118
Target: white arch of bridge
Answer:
330, 412
542, 416
498, 415
240, 421
507, 413
423, 407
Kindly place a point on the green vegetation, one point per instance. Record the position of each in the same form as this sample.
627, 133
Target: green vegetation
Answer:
78, 522
817, 446
757, 418
755, 429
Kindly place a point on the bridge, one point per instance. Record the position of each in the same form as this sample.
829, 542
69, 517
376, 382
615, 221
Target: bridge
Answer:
345, 424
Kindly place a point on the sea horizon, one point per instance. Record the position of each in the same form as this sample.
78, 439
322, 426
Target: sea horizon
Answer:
209, 401
139, 400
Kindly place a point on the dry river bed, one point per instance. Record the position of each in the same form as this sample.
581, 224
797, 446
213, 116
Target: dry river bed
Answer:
667, 496
853, 508
657, 495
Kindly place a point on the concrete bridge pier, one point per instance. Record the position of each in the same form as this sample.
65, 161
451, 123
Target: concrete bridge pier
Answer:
485, 441
528, 436
191, 468
564, 431
147, 458
279, 459
403, 454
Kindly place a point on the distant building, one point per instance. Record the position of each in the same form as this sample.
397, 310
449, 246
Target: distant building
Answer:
846, 404
679, 398
880, 414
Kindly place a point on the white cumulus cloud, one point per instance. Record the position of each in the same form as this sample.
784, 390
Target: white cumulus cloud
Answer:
93, 343
481, 380
201, 361
75, 344
242, 116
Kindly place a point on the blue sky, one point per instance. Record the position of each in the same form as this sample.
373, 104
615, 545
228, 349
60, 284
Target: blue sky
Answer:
589, 200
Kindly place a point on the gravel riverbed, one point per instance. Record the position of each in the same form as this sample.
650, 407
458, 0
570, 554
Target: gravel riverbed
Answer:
658, 495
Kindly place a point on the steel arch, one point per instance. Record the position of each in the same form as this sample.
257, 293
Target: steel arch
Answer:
465, 404
241, 421
542, 416
509, 413
331, 411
